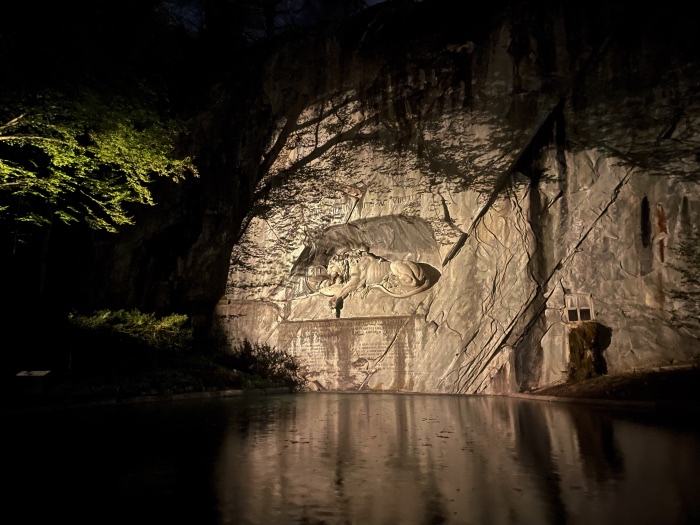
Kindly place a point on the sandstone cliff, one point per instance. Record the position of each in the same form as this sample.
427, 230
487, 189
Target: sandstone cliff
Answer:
524, 157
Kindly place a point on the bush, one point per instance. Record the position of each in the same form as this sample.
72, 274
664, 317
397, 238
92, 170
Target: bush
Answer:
264, 366
587, 342
125, 342
127, 353
165, 334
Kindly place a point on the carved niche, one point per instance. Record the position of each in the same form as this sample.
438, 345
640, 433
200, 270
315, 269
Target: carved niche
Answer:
394, 255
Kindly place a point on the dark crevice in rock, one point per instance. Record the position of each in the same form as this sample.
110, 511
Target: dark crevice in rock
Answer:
522, 163
645, 220
646, 256
530, 163
527, 332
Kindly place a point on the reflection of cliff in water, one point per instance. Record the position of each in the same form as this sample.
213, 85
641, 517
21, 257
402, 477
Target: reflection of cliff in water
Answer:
415, 459
534, 449
600, 454
353, 458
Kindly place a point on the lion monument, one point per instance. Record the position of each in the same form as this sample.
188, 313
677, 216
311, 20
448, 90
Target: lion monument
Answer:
361, 271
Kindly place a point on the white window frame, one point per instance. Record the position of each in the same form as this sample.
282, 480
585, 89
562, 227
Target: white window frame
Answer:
579, 307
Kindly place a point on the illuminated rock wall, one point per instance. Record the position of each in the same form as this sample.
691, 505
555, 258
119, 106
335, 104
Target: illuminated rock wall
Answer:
512, 171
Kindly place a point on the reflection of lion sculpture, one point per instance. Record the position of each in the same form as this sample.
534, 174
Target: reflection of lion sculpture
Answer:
358, 270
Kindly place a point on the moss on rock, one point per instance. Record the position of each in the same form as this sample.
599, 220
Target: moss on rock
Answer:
587, 341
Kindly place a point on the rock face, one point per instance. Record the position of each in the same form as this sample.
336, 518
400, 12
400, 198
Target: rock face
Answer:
437, 218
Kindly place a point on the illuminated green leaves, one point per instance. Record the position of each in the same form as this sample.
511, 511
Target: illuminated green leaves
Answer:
84, 160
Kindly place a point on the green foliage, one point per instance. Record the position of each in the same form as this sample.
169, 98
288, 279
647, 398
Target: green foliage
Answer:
264, 366
84, 158
171, 333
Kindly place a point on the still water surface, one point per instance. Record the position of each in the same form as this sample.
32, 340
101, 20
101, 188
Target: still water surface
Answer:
328, 458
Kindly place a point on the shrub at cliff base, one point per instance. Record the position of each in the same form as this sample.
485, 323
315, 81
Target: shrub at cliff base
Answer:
586, 345
129, 352
264, 366
127, 340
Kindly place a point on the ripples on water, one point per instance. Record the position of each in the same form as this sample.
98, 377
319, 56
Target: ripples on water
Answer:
353, 459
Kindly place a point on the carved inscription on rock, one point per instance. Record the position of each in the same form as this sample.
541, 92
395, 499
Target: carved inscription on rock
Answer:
349, 354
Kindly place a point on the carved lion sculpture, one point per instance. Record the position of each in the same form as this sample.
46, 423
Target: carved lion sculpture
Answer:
360, 271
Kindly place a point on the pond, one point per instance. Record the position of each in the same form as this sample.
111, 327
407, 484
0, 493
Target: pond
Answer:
337, 458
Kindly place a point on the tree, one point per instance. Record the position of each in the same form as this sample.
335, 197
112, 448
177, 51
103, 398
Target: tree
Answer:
84, 158
688, 251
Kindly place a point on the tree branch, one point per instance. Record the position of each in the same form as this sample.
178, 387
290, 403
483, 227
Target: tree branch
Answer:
13, 121
31, 137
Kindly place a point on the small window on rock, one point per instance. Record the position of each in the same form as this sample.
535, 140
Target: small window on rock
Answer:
579, 307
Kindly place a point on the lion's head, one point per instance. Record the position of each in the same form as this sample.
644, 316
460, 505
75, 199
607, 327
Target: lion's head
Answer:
341, 264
